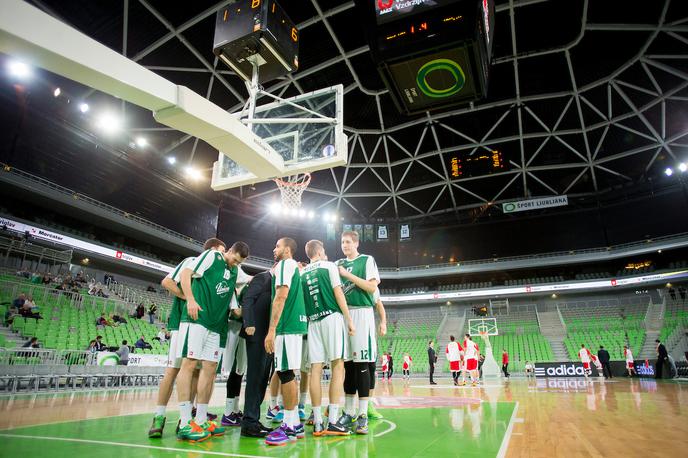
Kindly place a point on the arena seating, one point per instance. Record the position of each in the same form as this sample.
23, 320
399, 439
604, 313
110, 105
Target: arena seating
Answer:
675, 316
534, 280
613, 341
521, 348
409, 332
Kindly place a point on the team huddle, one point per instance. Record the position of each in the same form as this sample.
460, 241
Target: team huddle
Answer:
321, 314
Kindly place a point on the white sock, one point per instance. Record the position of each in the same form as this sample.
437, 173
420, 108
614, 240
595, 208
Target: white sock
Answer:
201, 413
363, 407
294, 418
273, 401
333, 412
229, 403
235, 404
280, 401
160, 411
317, 414
349, 405
303, 398
185, 412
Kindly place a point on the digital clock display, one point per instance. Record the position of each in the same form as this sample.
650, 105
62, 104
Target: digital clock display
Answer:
392, 10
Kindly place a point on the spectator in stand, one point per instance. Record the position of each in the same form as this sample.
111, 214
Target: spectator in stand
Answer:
100, 293
152, 310
36, 278
118, 319
530, 369
10, 314
140, 311
150, 289
603, 357
19, 301
26, 312
100, 346
32, 343
46, 279
101, 321
162, 335
505, 363
123, 354
92, 347
142, 344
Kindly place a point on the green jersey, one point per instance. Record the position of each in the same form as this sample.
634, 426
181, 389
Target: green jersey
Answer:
293, 319
319, 279
212, 285
177, 303
363, 266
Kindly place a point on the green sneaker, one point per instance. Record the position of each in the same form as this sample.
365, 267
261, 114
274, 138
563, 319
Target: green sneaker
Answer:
373, 414
213, 428
191, 432
157, 426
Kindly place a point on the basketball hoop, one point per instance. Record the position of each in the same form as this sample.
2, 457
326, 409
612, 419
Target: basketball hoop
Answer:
292, 188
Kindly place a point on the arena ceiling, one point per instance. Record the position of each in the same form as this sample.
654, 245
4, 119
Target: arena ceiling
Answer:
585, 96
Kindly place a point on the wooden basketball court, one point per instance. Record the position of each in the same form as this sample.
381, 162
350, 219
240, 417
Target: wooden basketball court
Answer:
536, 417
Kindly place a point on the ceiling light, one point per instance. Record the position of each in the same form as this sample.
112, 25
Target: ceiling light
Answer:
302, 213
326, 216
141, 142
683, 167
57, 92
172, 160
83, 107
108, 123
668, 172
294, 212
19, 69
193, 173
275, 208
311, 215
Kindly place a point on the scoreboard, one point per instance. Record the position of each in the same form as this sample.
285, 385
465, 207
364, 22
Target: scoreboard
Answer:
481, 163
431, 54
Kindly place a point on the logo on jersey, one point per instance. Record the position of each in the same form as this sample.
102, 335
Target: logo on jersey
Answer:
222, 288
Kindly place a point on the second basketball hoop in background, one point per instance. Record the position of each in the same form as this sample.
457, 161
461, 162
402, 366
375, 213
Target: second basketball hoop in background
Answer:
291, 188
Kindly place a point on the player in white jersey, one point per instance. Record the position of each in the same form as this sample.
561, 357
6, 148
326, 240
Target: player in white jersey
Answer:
406, 366
630, 366
472, 354
453, 354
585, 357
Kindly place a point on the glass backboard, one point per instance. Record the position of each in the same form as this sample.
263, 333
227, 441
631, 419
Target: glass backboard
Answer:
487, 325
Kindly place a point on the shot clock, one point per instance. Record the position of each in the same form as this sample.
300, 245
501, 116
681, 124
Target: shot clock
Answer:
431, 54
256, 31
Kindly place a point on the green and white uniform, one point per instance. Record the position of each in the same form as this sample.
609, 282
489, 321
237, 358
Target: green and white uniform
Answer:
361, 307
293, 323
176, 313
328, 338
212, 285
235, 350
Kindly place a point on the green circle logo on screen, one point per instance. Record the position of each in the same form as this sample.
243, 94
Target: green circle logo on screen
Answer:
448, 66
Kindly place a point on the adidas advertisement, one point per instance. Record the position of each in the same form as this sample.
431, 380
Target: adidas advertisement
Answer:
575, 369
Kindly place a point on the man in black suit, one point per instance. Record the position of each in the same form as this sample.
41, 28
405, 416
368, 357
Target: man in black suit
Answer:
256, 314
432, 359
603, 356
662, 356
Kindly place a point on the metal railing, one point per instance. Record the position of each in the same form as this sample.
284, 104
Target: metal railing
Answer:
19, 247
43, 356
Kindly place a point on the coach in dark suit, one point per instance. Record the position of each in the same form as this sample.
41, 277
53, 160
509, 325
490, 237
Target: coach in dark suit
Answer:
603, 356
255, 307
432, 359
662, 356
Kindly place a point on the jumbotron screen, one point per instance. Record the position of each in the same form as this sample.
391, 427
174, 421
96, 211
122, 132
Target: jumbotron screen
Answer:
391, 10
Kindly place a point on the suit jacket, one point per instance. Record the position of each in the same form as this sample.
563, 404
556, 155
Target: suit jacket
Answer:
662, 351
432, 357
255, 305
603, 356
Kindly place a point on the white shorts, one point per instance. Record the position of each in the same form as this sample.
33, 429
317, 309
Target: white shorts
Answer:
288, 350
363, 344
234, 350
328, 339
305, 358
172, 360
197, 342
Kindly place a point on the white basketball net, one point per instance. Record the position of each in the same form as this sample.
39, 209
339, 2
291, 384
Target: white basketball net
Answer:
292, 188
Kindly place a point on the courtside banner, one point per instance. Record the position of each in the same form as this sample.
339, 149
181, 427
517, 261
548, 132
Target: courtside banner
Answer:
45, 234
107, 358
535, 204
575, 369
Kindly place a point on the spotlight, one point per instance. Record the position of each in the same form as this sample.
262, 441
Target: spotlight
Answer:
275, 208
141, 142
326, 217
172, 160
19, 69
311, 215
83, 107
193, 173
294, 212
334, 218
108, 123
683, 167
668, 172
57, 92
302, 213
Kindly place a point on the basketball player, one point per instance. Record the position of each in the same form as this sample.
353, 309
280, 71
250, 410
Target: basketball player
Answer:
171, 284
234, 359
630, 366
385, 366
360, 278
288, 324
454, 357
585, 357
472, 353
406, 367
329, 323
373, 414
207, 285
